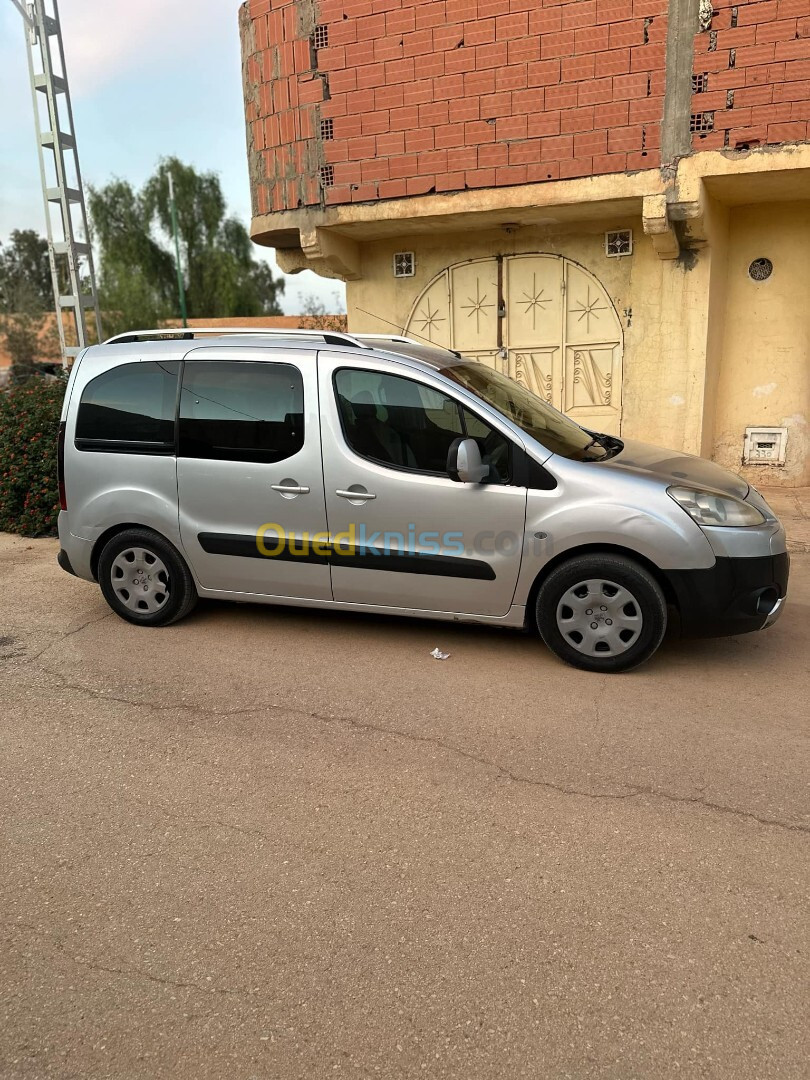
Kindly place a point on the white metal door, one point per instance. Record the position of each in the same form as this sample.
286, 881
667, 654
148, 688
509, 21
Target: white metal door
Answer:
543, 319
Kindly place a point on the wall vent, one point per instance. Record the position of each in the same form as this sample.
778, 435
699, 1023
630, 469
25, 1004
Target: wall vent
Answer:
320, 37
327, 129
327, 175
701, 122
619, 243
404, 264
760, 269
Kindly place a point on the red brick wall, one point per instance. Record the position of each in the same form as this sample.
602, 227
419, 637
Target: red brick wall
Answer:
443, 95
756, 55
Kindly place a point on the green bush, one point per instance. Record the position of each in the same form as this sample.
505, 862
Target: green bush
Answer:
29, 426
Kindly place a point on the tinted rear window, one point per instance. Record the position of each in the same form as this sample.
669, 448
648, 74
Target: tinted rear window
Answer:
241, 411
132, 404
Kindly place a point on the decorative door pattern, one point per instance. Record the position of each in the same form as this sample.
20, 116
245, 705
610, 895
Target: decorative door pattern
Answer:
542, 319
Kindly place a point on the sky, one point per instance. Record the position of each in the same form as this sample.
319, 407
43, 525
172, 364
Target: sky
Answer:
147, 81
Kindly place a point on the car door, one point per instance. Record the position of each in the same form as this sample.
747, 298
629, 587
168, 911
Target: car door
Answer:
404, 534
249, 475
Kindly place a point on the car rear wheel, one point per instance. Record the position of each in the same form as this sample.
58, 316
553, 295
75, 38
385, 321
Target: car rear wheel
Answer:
601, 613
144, 579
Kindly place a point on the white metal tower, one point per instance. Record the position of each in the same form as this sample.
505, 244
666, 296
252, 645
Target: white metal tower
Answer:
71, 256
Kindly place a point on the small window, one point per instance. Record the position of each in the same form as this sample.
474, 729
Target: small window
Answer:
130, 409
406, 425
404, 264
235, 411
619, 243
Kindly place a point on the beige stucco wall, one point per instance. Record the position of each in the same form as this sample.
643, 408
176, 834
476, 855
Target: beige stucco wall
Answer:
662, 306
707, 351
764, 376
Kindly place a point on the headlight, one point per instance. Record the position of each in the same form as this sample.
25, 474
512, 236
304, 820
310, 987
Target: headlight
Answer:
706, 508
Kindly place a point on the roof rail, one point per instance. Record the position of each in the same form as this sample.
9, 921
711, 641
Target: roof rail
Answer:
330, 337
398, 339
390, 337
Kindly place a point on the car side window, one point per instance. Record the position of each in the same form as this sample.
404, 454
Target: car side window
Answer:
397, 422
241, 411
129, 409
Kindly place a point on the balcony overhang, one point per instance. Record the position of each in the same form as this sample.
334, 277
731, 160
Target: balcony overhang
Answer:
671, 204
560, 202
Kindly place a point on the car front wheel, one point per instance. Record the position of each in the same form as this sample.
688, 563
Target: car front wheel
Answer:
601, 613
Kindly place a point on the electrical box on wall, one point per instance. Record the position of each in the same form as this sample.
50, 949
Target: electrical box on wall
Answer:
764, 446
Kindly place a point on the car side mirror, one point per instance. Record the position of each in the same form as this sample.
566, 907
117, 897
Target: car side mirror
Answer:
464, 464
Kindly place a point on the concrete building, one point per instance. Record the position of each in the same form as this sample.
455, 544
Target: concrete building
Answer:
607, 199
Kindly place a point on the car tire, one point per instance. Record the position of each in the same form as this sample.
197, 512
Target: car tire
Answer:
144, 579
602, 613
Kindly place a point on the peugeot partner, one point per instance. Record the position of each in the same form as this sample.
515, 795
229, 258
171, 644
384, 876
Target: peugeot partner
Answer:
377, 474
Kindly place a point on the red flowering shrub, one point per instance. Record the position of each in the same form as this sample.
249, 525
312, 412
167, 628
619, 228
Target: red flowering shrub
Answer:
29, 426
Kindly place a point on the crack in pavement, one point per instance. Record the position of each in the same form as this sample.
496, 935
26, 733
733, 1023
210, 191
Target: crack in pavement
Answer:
138, 973
635, 791
64, 636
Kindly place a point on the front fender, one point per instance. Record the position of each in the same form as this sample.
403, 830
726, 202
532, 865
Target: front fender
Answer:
557, 525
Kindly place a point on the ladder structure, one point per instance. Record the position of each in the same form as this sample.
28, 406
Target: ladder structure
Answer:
71, 257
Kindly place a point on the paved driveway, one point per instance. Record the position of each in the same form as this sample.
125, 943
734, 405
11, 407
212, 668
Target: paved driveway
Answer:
269, 843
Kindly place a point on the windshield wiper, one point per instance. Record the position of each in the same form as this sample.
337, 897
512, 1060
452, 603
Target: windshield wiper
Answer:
597, 440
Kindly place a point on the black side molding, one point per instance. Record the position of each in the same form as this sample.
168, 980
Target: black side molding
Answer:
359, 558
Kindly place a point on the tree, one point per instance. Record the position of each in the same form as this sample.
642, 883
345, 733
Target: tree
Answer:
137, 271
26, 295
25, 273
136, 275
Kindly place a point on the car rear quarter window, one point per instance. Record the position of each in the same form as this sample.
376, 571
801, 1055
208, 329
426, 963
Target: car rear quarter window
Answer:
130, 409
241, 411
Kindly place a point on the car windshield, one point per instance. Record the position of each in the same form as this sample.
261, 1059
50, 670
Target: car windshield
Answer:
536, 417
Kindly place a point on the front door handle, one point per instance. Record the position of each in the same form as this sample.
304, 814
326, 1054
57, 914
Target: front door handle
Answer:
290, 489
359, 496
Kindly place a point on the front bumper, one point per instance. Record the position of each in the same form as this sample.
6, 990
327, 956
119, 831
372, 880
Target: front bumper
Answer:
735, 596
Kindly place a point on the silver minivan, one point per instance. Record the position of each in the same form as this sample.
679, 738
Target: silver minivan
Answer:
383, 475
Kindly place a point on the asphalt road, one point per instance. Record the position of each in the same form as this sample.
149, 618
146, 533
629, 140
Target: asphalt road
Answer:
278, 844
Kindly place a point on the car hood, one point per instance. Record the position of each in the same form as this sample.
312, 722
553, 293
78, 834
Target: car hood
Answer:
676, 468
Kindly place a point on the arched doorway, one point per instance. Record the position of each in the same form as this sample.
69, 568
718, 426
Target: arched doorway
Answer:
543, 319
